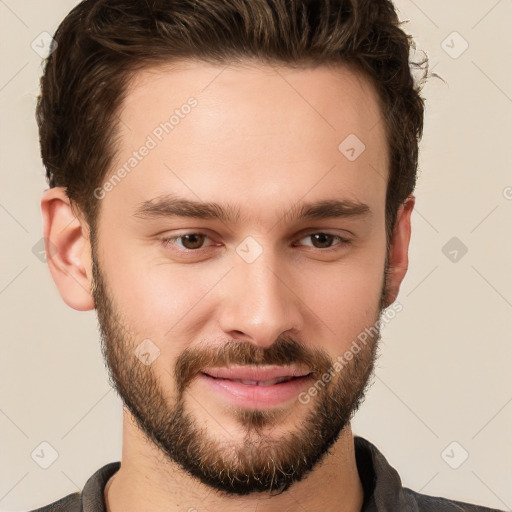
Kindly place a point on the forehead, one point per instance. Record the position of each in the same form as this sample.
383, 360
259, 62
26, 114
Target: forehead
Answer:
253, 133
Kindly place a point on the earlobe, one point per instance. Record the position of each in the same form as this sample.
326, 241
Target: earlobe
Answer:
68, 249
398, 251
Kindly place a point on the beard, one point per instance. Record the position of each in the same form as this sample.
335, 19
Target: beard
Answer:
258, 462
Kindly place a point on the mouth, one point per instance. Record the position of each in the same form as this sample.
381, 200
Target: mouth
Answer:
256, 387
258, 376
269, 382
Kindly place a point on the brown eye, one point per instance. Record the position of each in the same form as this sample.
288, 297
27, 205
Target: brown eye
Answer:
326, 241
189, 241
192, 241
322, 240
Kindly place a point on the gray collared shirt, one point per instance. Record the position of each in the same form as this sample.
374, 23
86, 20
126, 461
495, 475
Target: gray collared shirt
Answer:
383, 490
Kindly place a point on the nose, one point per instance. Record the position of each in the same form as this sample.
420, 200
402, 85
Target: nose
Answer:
259, 302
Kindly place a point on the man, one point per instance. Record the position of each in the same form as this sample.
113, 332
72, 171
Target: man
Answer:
231, 189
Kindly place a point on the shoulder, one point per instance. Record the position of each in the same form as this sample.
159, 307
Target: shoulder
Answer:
70, 503
424, 503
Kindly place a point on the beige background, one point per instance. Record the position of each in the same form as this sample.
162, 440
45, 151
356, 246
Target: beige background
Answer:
444, 374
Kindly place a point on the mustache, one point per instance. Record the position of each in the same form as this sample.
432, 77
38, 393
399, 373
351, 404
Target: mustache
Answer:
284, 351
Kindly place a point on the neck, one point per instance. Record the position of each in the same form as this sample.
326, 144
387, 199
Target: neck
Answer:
148, 481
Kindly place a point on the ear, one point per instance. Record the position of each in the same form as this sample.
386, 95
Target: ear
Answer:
68, 251
398, 251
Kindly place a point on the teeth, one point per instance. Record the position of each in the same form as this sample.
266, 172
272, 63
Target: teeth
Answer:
270, 382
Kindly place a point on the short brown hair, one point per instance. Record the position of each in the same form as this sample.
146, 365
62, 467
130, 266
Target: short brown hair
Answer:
101, 44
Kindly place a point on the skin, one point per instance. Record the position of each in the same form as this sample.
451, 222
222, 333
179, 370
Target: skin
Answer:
263, 139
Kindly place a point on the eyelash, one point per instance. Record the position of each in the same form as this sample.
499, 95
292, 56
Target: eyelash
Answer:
166, 242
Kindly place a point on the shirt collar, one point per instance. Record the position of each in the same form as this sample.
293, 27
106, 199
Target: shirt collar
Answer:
383, 490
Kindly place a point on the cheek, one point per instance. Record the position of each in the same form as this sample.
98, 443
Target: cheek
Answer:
156, 297
345, 297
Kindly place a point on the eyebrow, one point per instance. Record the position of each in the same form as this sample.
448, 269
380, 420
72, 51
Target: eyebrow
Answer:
174, 206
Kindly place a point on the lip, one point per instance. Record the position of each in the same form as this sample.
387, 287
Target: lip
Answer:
255, 396
255, 373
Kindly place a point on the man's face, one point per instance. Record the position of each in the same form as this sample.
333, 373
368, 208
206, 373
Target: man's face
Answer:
179, 295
